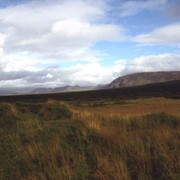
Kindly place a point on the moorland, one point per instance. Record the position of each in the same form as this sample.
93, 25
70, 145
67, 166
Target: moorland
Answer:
127, 133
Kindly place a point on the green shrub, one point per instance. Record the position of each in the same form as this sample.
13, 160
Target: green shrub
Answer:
55, 111
104, 121
33, 108
7, 116
152, 120
134, 124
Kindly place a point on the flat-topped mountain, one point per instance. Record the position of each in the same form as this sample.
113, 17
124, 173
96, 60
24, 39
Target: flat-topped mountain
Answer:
138, 79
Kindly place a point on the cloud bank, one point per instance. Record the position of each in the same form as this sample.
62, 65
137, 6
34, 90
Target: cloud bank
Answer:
40, 34
55, 30
169, 34
38, 39
89, 74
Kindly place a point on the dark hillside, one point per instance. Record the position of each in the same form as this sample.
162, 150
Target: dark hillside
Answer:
166, 89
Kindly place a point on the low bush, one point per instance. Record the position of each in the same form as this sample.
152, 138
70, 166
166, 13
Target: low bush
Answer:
154, 120
55, 111
33, 108
7, 115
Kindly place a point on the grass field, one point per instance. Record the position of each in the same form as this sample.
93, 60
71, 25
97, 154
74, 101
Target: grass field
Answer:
102, 139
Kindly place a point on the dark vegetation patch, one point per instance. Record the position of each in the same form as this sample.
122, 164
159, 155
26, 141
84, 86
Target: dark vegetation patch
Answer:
98, 103
55, 111
29, 107
167, 89
154, 120
8, 116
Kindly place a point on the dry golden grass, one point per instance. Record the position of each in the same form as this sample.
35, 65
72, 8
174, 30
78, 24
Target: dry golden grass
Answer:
114, 165
127, 109
126, 140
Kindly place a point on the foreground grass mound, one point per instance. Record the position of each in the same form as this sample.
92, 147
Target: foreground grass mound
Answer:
55, 111
45, 111
43, 144
8, 115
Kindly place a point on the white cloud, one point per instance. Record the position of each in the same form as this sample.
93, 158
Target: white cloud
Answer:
88, 74
2, 39
130, 8
162, 62
73, 29
169, 34
150, 63
1, 52
85, 75
41, 34
48, 30
91, 74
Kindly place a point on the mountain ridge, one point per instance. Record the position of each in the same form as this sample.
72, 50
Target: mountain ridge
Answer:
129, 80
143, 78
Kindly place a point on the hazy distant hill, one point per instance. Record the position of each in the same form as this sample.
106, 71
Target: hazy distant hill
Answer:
4, 92
138, 79
60, 89
170, 89
40, 90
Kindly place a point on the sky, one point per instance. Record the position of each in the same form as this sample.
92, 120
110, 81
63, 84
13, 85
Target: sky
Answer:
53, 43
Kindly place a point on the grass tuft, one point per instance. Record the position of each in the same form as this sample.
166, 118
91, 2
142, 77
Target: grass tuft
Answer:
55, 111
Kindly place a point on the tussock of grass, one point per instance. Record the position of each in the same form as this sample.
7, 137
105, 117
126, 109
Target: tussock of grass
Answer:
46, 141
8, 115
154, 120
55, 111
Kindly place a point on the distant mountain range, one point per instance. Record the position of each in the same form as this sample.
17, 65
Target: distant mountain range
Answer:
60, 89
138, 79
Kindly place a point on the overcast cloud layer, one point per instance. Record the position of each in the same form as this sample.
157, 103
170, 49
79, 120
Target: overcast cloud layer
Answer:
57, 43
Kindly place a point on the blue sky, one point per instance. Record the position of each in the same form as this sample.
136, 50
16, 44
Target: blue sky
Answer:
85, 42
